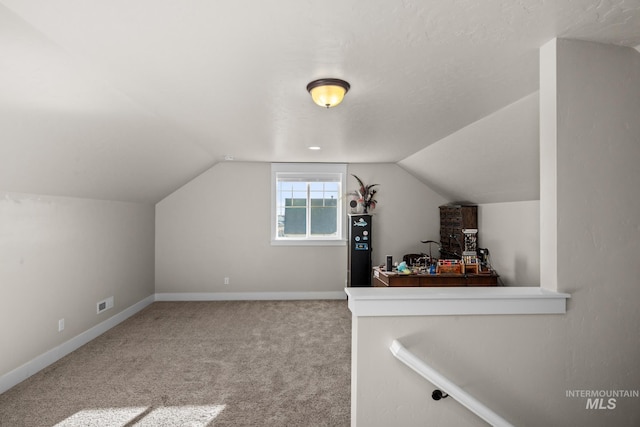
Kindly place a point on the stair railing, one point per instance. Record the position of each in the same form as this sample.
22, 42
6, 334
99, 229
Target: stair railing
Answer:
449, 388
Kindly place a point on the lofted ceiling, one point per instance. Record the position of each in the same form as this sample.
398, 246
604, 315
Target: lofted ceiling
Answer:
128, 101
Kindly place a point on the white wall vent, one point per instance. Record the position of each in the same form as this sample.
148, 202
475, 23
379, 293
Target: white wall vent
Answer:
104, 305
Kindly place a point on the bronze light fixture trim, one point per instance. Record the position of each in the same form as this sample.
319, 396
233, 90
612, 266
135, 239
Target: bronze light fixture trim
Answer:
328, 92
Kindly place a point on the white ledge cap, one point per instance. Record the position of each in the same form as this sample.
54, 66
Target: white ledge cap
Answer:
437, 301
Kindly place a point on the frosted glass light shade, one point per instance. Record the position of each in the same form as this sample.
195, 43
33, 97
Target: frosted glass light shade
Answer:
328, 92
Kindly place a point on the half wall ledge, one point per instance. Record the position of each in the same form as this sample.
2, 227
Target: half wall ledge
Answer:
437, 301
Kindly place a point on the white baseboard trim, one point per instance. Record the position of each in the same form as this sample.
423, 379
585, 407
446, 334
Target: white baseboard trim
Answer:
249, 296
35, 365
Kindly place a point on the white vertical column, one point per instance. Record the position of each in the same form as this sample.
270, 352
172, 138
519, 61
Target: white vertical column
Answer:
548, 167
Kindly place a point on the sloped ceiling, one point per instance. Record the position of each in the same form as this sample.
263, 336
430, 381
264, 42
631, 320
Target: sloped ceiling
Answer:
495, 159
129, 100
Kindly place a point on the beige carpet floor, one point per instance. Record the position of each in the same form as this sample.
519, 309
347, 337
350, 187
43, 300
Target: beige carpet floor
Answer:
228, 363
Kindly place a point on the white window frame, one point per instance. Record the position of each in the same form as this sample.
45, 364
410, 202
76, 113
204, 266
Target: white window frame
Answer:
311, 170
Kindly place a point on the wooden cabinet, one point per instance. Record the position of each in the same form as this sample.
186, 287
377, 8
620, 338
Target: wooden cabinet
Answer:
453, 219
383, 278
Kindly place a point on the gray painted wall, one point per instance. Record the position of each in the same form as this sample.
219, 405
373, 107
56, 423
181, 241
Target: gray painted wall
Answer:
493, 160
58, 257
511, 232
217, 226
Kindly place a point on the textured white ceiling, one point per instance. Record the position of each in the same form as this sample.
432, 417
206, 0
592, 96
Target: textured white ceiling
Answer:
129, 100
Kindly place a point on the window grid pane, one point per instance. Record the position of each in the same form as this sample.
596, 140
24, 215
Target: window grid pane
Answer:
307, 209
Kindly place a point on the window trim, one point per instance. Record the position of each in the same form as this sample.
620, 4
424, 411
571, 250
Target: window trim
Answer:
310, 169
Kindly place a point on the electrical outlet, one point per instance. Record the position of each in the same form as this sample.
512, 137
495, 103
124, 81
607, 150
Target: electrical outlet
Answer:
60, 325
226, 280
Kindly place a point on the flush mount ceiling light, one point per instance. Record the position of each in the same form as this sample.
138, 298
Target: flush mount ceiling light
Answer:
328, 92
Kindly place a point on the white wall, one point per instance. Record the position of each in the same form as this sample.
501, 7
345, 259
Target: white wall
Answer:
522, 366
511, 232
492, 160
202, 238
58, 258
407, 211
599, 213
217, 226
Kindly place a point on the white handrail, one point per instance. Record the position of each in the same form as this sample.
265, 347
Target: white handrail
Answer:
431, 375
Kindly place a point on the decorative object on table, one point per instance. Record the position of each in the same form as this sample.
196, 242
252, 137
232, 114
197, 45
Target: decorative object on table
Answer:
365, 196
470, 241
354, 206
485, 261
470, 252
432, 260
450, 266
471, 264
403, 268
413, 260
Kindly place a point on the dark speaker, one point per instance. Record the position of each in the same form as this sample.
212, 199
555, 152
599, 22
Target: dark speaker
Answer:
360, 240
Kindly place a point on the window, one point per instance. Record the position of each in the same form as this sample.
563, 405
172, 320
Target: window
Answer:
307, 203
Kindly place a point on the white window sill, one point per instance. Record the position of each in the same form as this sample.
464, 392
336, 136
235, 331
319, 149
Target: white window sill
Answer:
305, 242
364, 302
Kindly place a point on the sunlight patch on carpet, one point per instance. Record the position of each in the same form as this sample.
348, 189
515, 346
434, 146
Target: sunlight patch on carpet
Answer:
106, 417
191, 415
